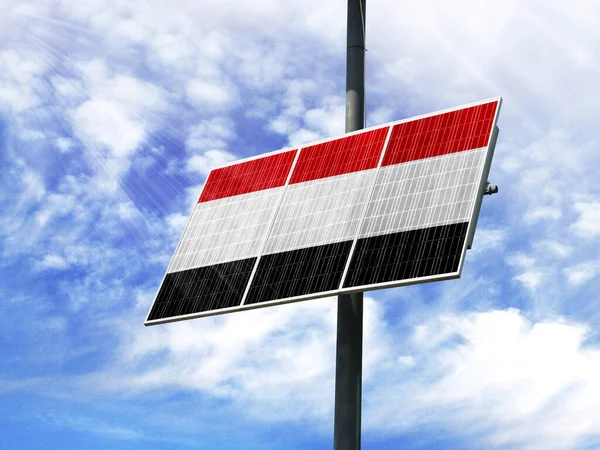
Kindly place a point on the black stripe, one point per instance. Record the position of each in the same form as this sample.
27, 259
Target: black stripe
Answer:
299, 272
202, 289
405, 255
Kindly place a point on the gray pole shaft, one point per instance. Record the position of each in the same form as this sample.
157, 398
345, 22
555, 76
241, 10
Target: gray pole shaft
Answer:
348, 359
355, 66
348, 372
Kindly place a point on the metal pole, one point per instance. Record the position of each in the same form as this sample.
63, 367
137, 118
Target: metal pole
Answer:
348, 358
355, 65
348, 372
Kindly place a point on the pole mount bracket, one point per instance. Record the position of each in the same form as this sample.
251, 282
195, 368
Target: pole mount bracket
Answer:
490, 189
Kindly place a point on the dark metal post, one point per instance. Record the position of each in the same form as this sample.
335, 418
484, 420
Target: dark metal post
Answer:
348, 372
355, 66
348, 359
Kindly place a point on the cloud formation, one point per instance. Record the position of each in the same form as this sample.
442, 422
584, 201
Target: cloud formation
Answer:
112, 115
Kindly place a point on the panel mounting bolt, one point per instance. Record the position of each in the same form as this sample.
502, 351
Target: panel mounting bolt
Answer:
491, 189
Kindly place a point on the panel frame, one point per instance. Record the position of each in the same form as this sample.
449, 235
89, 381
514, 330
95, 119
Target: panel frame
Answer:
355, 289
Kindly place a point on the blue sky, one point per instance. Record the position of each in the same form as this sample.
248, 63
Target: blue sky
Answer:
111, 115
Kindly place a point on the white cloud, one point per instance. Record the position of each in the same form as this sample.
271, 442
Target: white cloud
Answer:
588, 222
31, 135
303, 122
254, 359
64, 144
211, 134
303, 136
380, 115
105, 123
542, 213
487, 239
407, 360
532, 278
192, 195
190, 51
177, 222
69, 89
282, 125
94, 71
329, 118
53, 262
549, 248
520, 260
33, 186
20, 83
126, 211
132, 30
269, 72
211, 95
136, 95
582, 273
297, 93
55, 205
203, 164
173, 48
520, 384
116, 119
531, 274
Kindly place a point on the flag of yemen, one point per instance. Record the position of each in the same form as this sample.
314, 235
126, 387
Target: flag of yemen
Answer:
386, 206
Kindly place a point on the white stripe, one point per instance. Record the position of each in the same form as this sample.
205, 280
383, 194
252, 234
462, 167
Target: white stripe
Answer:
320, 211
226, 229
424, 193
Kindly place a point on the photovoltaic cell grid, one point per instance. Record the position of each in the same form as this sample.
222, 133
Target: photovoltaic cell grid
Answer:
381, 207
309, 244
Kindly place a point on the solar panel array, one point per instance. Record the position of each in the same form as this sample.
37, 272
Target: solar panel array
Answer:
386, 206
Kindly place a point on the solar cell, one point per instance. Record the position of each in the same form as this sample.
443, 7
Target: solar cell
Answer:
220, 245
321, 207
391, 205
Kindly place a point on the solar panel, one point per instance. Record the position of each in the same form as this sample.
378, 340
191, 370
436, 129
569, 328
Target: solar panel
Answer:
386, 206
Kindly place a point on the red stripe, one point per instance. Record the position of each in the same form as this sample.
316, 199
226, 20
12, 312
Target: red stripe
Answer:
250, 176
442, 134
345, 155
450, 132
